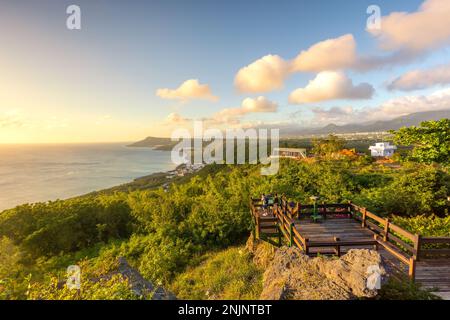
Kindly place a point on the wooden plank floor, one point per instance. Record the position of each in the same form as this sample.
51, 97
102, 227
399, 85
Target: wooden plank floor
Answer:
343, 228
435, 274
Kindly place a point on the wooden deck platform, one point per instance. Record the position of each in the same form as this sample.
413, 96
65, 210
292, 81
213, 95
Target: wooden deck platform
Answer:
346, 230
339, 232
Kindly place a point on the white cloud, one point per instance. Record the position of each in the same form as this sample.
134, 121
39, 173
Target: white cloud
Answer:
439, 100
229, 116
175, 118
248, 105
331, 54
270, 72
188, 90
11, 119
425, 29
330, 85
260, 104
263, 75
420, 79
336, 115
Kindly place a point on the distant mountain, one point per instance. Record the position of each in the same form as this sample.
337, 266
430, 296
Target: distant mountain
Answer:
151, 142
413, 119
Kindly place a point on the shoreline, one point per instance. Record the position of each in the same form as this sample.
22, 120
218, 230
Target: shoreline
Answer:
67, 181
147, 182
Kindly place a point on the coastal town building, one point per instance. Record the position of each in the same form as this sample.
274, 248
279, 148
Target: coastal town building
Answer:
382, 149
293, 153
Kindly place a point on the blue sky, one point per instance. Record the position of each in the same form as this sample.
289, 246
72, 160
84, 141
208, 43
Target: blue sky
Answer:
105, 76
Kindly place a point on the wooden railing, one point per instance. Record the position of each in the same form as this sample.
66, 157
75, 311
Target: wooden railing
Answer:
324, 209
402, 244
433, 247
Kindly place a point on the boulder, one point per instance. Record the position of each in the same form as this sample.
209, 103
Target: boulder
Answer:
139, 285
290, 274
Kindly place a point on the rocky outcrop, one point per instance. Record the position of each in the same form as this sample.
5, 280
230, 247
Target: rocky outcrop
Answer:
290, 274
139, 285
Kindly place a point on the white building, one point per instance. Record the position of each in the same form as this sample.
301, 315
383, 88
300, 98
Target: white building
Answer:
294, 153
382, 149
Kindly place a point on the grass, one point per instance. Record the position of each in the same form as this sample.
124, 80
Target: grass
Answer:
226, 275
404, 289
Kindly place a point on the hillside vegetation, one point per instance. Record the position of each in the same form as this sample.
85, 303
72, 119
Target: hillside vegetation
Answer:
172, 237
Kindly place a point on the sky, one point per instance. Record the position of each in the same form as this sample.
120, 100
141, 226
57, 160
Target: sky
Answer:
145, 68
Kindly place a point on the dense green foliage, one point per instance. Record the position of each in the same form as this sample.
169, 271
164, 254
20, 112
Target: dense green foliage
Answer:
327, 146
65, 226
425, 225
431, 141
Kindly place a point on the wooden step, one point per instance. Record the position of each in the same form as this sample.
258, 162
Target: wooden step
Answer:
270, 231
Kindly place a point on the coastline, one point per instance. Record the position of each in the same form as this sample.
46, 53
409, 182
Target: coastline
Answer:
34, 174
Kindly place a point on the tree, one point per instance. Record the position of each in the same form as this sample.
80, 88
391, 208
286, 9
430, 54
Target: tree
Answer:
327, 146
430, 141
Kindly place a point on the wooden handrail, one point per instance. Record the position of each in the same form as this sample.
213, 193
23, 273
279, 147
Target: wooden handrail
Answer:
424, 252
436, 240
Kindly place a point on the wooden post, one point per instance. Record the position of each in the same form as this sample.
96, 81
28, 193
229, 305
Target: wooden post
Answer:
375, 246
338, 247
417, 244
386, 230
412, 269
306, 246
253, 227
279, 236
363, 224
258, 227
291, 234
349, 209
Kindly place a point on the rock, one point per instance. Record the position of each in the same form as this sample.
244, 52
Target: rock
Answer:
262, 251
351, 270
290, 274
139, 285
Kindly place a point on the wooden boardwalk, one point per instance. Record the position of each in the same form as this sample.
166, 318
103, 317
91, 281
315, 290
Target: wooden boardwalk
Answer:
346, 226
435, 274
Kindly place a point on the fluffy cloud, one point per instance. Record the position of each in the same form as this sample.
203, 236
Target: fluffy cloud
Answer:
248, 105
336, 115
175, 118
331, 54
11, 119
260, 104
263, 75
270, 72
420, 79
330, 85
188, 90
439, 100
425, 29
230, 116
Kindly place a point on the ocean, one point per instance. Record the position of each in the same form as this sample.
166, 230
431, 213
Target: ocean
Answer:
34, 173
